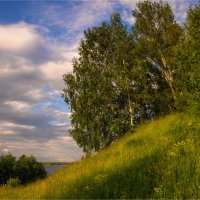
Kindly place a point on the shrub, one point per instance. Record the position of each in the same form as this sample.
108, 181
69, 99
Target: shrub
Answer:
24, 170
7, 164
29, 170
13, 182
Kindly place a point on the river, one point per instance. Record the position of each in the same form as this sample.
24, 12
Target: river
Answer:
52, 168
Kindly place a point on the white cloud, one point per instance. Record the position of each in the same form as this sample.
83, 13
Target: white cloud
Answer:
66, 138
26, 86
126, 16
18, 105
131, 4
24, 40
61, 149
5, 125
13, 70
72, 20
91, 12
59, 117
55, 70
36, 94
18, 38
7, 132
5, 150
180, 9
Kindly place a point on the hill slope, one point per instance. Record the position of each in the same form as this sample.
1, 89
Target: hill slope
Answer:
161, 159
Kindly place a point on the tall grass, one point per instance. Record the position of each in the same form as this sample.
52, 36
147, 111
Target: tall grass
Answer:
160, 160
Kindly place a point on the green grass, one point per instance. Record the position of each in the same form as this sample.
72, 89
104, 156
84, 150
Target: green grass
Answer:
160, 160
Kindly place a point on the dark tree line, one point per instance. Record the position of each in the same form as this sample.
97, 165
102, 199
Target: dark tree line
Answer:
24, 170
122, 77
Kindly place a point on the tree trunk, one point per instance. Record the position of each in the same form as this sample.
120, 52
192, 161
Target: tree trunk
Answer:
168, 77
172, 89
129, 99
131, 116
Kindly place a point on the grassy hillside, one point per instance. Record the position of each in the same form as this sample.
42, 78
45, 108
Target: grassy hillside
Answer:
161, 159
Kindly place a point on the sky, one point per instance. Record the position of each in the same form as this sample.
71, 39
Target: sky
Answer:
38, 40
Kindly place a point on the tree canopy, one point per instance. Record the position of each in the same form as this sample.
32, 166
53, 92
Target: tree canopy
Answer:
189, 60
24, 170
96, 93
123, 77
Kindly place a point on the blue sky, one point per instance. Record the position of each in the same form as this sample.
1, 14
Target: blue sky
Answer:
38, 40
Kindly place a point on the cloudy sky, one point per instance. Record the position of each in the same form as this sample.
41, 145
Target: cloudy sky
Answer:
38, 40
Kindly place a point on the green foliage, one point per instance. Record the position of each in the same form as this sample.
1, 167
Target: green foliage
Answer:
25, 169
110, 89
189, 60
160, 160
121, 78
98, 90
13, 182
157, 35
7, 164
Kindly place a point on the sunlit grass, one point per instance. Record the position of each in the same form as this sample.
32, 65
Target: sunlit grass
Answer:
160, 160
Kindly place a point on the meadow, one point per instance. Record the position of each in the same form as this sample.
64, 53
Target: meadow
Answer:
160, 159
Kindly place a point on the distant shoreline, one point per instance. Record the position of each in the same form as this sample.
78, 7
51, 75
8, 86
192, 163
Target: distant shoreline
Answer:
56, 163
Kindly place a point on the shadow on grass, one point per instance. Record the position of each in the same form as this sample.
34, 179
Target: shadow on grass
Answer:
129, 181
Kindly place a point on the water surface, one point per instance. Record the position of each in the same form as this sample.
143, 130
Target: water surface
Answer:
52, 168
